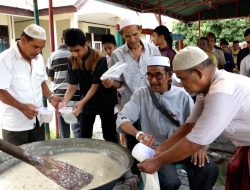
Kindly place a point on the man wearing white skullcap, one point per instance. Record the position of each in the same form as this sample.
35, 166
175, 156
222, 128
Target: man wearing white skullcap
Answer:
35, 31
222, 106
22, 87
156, 127
135, 53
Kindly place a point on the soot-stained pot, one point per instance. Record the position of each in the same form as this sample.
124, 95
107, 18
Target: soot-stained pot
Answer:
52, 147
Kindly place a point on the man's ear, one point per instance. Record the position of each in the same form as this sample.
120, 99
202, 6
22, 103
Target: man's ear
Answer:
199, 72
62, 40
23, 40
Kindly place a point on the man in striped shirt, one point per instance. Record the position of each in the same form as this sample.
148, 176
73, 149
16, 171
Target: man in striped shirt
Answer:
57, 66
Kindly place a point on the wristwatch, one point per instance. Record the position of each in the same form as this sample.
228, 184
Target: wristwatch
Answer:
138, 134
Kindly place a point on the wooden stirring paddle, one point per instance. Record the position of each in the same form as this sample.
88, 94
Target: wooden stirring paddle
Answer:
65, 175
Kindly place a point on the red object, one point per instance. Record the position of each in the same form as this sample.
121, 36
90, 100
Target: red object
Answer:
52, 48
181, 44
238, 172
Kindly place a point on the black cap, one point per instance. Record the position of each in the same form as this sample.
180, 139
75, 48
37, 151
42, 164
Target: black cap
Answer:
108, 38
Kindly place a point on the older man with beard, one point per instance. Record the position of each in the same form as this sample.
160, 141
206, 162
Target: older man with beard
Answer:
156, 126
219, 93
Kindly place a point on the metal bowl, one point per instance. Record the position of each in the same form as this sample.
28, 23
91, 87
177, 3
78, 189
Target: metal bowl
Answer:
52, 147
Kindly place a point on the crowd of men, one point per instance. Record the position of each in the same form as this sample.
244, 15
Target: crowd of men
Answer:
175, 102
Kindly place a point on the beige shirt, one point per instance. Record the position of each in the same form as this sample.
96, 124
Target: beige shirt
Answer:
225, 109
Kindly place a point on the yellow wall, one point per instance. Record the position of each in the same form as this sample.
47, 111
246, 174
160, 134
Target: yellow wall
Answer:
60, 26
4, 19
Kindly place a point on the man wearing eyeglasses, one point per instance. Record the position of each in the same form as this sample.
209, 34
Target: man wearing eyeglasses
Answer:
156, 127
135, 53
245, 51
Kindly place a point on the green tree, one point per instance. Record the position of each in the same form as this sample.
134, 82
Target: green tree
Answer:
230, 29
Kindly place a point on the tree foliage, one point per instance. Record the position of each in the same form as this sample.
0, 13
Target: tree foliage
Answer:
230, 29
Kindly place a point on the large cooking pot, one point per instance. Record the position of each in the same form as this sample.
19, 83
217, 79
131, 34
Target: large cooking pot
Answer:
52, 147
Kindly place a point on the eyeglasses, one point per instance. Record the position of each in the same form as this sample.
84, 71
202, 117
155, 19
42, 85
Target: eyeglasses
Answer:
157, 75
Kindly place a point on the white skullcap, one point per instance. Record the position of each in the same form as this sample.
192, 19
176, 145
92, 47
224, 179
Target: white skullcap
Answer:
128, 22
188, 58
158, 61
35, 31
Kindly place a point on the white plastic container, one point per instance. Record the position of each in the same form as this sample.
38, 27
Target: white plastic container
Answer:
45, 114
141, 152
67, 115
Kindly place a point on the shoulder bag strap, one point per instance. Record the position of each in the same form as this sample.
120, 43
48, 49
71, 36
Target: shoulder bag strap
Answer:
165, 112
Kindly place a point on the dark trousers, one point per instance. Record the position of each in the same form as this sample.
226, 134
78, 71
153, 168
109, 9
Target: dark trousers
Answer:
200, 178
108, 122
23, 137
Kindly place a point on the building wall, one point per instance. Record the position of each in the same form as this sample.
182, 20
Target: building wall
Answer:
60, 26
4, 19
84, 27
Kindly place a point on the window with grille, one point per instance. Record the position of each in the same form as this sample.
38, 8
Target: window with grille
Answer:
4, 38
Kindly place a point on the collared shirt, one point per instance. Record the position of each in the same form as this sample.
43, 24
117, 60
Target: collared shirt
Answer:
225, 109
23, 82
134, 76
141, 107
104, 99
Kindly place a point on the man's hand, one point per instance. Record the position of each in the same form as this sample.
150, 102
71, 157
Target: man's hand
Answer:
61, 105
78, 108
150, 165
29, 110
157, 151
107, 83
55, 100
147, 139
200, 158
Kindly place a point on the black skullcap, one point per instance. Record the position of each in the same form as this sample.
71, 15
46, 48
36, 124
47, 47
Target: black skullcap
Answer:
108, 38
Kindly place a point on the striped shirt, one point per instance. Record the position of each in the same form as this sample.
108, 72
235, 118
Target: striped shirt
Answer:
57, 66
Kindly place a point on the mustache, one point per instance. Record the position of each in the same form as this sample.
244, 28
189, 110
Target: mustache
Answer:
154, 85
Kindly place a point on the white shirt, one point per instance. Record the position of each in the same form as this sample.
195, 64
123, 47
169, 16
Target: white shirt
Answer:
140, 106
134, 75
225, 109
23, 82
245, 66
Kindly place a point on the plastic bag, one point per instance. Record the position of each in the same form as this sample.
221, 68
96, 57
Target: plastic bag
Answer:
45, 114
115, 71
151, 181
67, 115
141, 152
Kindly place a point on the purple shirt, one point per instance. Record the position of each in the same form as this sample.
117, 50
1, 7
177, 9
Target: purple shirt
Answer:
168, 52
